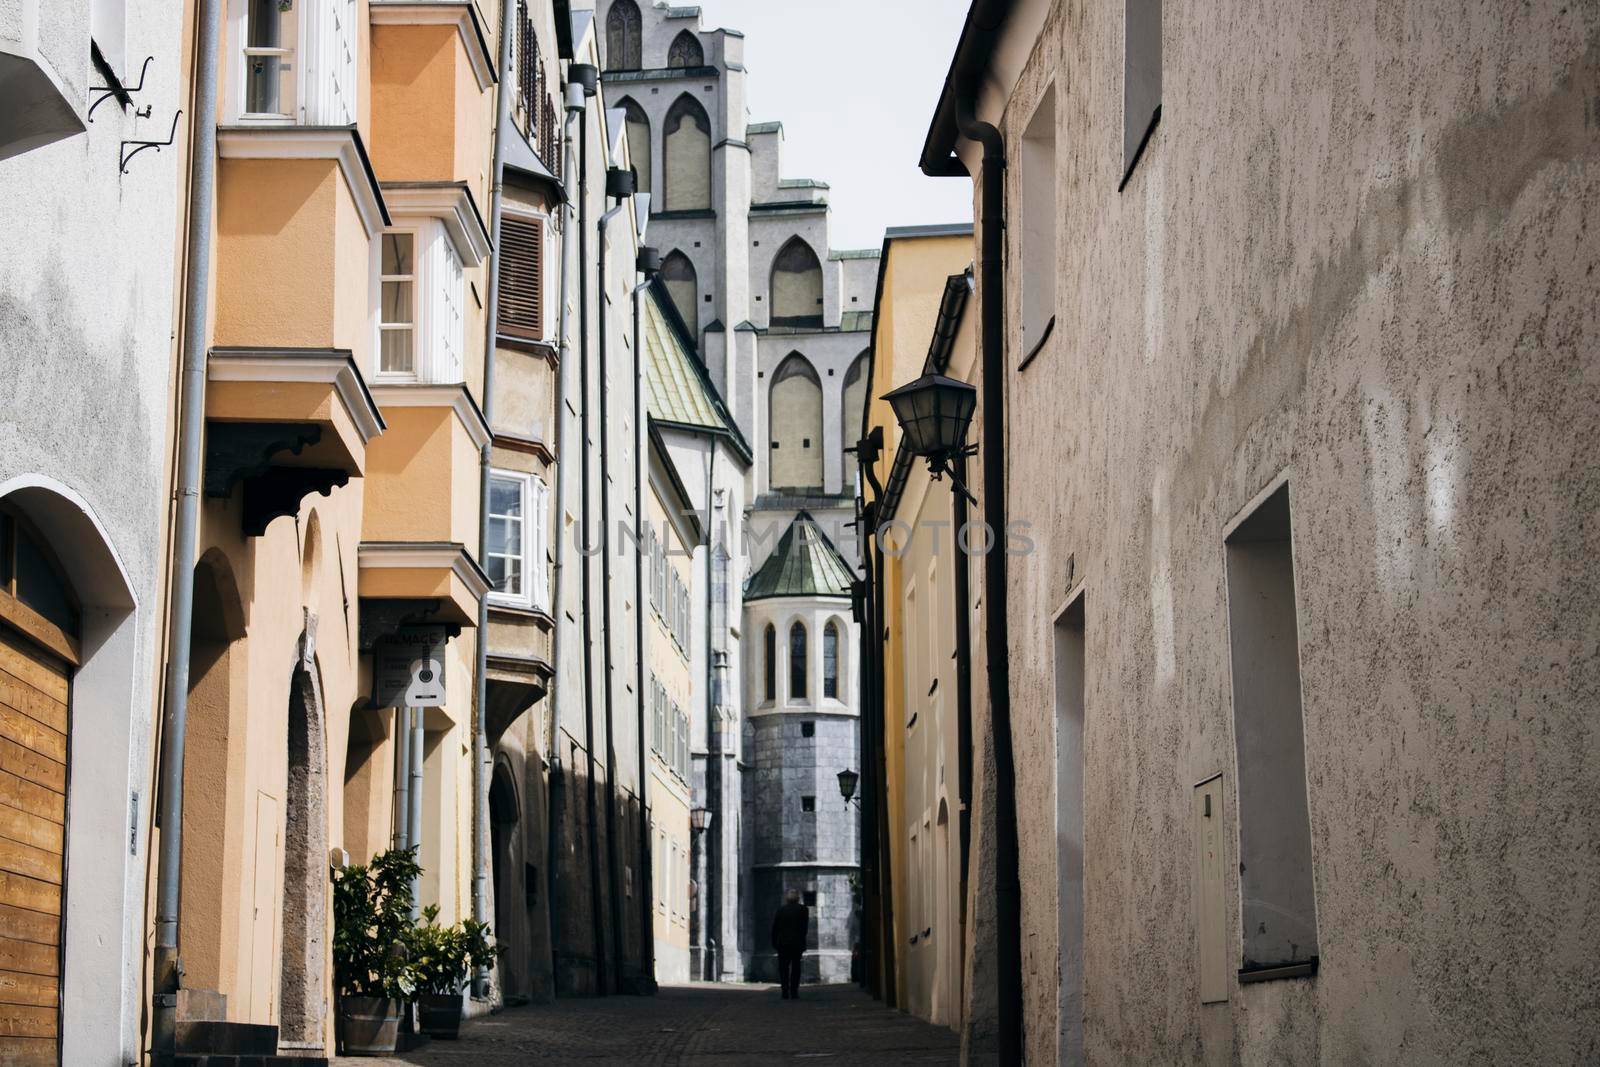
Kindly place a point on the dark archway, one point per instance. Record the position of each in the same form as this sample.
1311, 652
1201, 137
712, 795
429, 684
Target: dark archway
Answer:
305, 861
511, 904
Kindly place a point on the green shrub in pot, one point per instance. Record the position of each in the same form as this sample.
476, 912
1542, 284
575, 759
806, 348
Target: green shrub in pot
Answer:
442, 958
372, 971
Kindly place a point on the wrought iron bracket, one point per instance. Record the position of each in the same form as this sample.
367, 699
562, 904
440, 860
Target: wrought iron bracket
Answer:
279, 492
122, 93
140, 146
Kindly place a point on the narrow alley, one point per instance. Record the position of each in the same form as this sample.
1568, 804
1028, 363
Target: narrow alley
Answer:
703, 1023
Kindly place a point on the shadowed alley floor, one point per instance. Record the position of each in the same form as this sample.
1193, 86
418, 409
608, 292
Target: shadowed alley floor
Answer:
709, 1024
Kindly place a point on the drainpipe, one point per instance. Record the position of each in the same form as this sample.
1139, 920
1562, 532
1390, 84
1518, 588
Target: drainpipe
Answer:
874, 765
590, 81
1008, 889
167, 971
555, 811
619, 185
963, 595
649, 264
714, 761
480, 730
402, 778
414, 816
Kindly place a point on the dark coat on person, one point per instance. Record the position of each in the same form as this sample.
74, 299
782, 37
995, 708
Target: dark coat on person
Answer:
789, 928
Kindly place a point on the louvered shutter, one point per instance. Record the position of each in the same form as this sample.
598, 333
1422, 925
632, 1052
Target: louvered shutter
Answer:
522, 278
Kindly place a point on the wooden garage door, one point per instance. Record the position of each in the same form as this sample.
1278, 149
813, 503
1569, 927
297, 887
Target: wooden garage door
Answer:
33, 803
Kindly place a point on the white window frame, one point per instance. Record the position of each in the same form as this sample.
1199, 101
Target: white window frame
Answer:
535, 592
412, 327
322, 41
439, 336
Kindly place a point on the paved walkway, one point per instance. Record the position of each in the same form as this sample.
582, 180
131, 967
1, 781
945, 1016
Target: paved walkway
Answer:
714, 1025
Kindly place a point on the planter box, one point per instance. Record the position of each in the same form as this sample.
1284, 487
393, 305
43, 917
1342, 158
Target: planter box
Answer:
368, 1026
439, 1014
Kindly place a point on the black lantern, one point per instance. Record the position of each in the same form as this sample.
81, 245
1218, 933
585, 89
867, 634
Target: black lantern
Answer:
699, 819
847, 785
933, 413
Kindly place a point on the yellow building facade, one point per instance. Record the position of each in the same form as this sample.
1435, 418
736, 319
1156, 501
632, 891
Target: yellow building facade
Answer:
921, 327
344, 427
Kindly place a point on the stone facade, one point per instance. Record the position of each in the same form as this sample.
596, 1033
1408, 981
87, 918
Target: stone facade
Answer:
724, 217
1354, 259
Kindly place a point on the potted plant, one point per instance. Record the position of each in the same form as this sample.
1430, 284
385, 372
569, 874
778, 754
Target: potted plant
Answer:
371, 967
441, 961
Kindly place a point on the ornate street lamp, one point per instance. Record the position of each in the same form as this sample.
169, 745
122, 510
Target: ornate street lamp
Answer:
934, 412
699, 819
847, 785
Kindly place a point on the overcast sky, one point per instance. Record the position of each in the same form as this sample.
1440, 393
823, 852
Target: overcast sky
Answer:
854, 83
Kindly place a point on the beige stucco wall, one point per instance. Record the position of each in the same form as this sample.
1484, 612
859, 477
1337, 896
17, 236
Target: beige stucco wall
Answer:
669, 798
1359, 251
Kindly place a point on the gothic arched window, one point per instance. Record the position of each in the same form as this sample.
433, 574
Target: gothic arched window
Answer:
683, 285
772, 662
623, 36
686, 157
637, 125
854, 404
797, 661
796, 286
686, 51
830, 660
794, 417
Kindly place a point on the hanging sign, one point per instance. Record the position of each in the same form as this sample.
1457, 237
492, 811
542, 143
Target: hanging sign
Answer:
408, 668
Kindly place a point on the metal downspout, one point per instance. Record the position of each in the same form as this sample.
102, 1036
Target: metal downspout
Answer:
585, 614
963, 595
1008, 890
555, 810
402, 779
415, 754
647, 955
618, 933
480, 740
167, 972
713, 750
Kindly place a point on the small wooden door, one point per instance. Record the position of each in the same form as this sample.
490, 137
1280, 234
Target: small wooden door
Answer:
33, 817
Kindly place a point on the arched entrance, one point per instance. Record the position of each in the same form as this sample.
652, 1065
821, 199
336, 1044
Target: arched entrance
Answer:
67, 669
510, 927
305, 862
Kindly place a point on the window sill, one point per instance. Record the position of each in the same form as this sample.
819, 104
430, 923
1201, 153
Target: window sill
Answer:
1049, 328
1302, 969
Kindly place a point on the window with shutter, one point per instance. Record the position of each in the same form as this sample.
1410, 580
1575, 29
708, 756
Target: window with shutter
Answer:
522, 278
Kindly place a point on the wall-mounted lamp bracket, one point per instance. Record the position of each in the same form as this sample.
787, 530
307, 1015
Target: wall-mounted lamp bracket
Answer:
140, 146
121, 93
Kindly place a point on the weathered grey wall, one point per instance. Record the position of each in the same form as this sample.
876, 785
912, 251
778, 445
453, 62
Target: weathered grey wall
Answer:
1361, 248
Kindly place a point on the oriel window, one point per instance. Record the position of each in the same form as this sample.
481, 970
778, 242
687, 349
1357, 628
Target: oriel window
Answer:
398, 314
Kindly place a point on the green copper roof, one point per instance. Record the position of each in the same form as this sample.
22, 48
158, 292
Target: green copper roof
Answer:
676, 391
805, 563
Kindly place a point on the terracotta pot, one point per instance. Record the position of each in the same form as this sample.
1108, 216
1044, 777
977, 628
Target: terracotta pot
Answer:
369, 1026
439, 1014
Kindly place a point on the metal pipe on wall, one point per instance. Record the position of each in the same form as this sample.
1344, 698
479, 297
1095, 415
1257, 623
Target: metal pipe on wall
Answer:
648, 264
613, 883
414, 813
165, 976
480, 737
402, 779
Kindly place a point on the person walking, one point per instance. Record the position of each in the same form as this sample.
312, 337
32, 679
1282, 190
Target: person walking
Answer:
789, 929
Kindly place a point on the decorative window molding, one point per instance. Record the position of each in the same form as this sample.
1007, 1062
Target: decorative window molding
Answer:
331, 365
454, 396
452, 204
524, 278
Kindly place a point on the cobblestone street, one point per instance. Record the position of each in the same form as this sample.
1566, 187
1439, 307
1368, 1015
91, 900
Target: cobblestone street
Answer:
716, 1025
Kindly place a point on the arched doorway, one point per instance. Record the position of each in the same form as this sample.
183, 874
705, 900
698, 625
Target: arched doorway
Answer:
510, 886
305, 863
70, 683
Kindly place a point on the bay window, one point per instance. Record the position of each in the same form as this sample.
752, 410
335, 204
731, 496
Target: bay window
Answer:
295, 61
421, 318
518, 510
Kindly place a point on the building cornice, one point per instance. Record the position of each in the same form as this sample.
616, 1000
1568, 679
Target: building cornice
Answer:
328, 366
452, 204
531, 446
462, 14
456, 397
342, 143
426, 555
